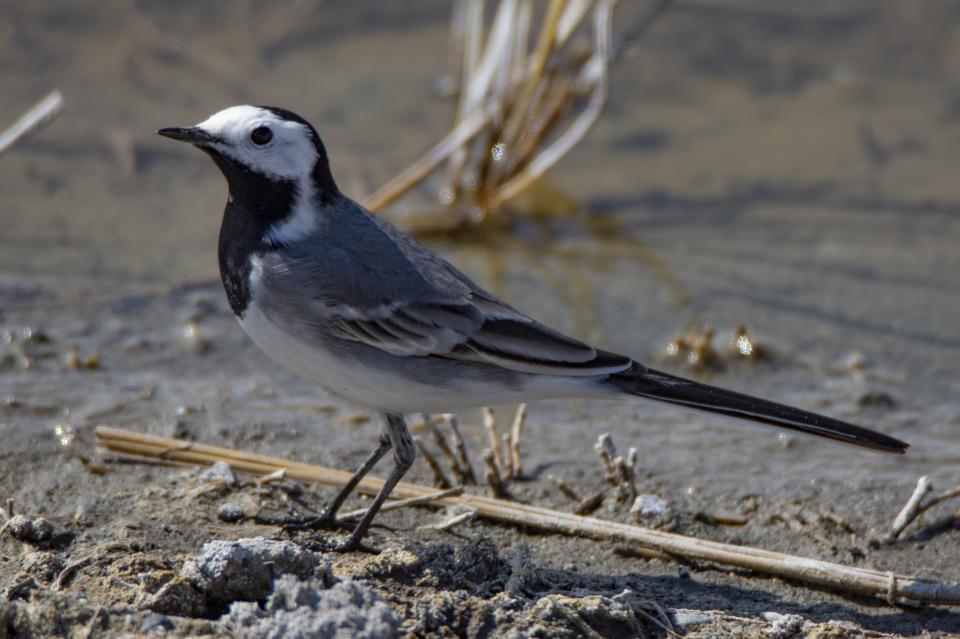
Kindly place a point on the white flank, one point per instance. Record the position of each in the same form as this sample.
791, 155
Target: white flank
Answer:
385, 387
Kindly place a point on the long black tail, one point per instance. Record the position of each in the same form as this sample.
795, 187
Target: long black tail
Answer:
677, 390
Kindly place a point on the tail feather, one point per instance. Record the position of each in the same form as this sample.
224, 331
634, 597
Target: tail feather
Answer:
677, 390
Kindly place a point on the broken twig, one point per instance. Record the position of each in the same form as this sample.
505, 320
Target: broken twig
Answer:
915, 506
911, 508
38, 115
420, 500
439, 477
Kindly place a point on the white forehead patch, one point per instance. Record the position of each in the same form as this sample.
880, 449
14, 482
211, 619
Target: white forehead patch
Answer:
289, 155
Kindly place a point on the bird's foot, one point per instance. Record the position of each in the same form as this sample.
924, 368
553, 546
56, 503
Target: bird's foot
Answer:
324, 521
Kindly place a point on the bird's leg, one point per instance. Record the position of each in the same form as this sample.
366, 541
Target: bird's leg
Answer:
404, 452
327, 520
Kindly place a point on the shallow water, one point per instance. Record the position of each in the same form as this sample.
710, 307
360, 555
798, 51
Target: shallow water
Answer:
758, 164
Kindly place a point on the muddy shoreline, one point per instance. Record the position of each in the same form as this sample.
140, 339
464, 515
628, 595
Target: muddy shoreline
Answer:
123, 531
786, 168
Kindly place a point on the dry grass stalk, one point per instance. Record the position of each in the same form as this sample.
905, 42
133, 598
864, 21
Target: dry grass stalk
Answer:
490, 425
909, 511
618, 471
863, 581
492, 475
452, 522
38, 115
513, 443
460, 447
564, 487
508, 459
441, 442
439, 477
589, 504
916, 506
513, 99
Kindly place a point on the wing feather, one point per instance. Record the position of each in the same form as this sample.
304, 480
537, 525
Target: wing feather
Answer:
443, 315
462, 332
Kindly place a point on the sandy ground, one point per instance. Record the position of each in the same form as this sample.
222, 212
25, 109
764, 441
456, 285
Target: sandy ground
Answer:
784, 167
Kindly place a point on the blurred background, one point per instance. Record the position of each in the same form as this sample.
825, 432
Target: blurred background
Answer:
786, 167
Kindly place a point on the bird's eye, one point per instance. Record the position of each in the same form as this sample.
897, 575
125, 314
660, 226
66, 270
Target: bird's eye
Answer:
261, 135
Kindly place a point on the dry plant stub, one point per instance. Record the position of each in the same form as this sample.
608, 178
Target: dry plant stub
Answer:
516, 86
886, 586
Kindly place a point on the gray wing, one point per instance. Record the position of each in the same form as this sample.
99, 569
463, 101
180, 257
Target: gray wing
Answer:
421, 307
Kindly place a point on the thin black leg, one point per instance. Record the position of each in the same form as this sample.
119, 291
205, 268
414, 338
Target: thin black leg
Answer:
327, 520
331, 510
404, 452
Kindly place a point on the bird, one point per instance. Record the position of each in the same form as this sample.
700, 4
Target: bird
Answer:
347, 300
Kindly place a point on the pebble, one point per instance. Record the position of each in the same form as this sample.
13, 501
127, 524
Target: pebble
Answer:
231, 513
156, 623
685, 618
783, 626
220, 471
37, 530
649, 506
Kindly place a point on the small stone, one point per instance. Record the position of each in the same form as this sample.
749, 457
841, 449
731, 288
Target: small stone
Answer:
156, 623
221, 472
36, 530
686, 618
783, 626
649, 506
231, 513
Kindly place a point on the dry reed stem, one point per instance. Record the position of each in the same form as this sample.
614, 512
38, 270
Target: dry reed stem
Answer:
516, 433
452, 522
490, 425
514, 97
420, 500
596, 73
564, 487
909, 511
480, 72
520, 109
492, 475
439, 477
463, 132
444, 447
863, 581
36, 116
460, 446
915, 506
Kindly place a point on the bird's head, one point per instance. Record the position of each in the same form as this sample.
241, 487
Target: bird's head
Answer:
271, 142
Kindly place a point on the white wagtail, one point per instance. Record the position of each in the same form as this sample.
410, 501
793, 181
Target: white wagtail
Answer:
346, 299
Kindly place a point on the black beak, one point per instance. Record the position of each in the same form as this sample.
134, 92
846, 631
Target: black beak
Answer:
192, 135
